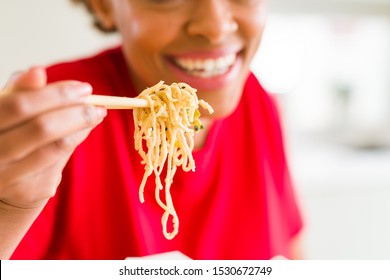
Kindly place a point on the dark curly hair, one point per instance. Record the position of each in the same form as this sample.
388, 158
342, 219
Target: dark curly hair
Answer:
96, 21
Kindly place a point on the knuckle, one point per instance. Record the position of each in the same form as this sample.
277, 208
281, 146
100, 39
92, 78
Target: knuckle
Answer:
66, 145
19, 104
63, 93
89, 115
43, 127
69, 143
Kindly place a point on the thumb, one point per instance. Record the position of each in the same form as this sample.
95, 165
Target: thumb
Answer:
33, 78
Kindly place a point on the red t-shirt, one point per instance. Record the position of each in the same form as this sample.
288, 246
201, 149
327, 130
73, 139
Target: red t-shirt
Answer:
238, 204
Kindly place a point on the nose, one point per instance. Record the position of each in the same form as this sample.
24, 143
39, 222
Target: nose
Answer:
212, 20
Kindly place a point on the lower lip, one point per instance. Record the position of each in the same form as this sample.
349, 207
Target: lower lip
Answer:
210, 83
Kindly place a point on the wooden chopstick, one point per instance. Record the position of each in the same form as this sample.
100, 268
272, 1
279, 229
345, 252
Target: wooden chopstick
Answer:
115, 102
109, 102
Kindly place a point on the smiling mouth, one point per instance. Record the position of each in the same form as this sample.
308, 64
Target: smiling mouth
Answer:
206, 68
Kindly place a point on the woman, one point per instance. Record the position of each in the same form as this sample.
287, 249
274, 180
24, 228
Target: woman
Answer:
68, 196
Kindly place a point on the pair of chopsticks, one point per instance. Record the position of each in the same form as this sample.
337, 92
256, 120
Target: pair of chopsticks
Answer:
109, 102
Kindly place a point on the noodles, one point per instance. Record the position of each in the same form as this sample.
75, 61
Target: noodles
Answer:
167, 129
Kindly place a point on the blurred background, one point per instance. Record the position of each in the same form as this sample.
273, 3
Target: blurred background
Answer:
327, 62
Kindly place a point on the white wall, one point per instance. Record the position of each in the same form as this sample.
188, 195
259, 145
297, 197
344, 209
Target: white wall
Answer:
331, 74
345, 192
44, 31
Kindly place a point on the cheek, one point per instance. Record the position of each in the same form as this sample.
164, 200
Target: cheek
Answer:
142, 32
144, 44
135, 35
252, 27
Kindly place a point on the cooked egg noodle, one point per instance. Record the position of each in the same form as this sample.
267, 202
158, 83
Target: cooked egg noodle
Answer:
166, 128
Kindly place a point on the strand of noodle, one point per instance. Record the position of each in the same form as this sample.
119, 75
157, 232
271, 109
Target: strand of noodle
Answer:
168, 206
157, 193
163, 148
169, 210
168, 199
147, 173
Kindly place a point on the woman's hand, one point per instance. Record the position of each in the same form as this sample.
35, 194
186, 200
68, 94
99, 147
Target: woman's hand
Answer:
40, 127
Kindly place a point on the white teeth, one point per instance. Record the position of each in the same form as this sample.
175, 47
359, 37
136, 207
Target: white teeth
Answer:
207, 67
196, 65
220, 62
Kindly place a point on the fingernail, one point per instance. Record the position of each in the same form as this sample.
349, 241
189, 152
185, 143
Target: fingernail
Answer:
75, 90
84, 89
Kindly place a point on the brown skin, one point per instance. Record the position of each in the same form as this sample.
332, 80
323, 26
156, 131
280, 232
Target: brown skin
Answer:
153, 32
161, 29
31, 167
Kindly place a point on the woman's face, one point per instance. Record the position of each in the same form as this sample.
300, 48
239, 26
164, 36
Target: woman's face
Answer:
206, 43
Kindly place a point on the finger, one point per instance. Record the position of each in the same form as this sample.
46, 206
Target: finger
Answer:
17, 143
40, 187
12, 79
57, 152
42, 173
23, 105
33, 78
